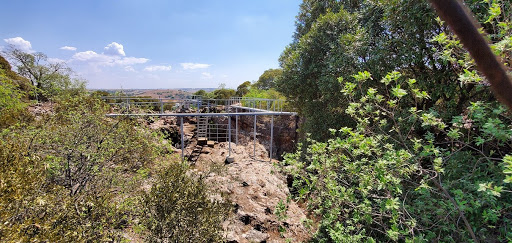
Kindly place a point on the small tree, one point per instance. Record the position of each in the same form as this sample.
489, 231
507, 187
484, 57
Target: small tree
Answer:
243, 88
268, 79
180, 208
49, 78
201, 92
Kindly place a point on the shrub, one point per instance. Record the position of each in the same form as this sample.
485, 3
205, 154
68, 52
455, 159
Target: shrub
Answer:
407, 174
62, 176
12, 108
180, 208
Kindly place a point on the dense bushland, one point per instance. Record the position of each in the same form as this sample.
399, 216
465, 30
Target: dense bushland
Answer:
415, 148
72, 175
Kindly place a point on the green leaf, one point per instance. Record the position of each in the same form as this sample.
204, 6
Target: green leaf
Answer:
454, 133
362, 76
398, 92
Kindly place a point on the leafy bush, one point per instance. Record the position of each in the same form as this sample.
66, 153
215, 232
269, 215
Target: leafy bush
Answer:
180, 208
404, 173
61, 176
12, 107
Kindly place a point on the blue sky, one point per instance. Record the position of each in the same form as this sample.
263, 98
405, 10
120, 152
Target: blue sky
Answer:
154, 43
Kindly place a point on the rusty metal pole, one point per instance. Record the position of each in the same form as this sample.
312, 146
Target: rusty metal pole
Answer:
459, 19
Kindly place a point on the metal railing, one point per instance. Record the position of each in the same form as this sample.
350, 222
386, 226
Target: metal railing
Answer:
202, 109
197, 104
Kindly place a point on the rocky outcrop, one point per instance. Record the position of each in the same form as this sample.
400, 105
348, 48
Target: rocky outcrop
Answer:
285, 132
255, 187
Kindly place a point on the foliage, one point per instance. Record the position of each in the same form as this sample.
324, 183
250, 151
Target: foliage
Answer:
405, 173
271, 94
264, 94
22, 83
201, 92
423, 152
59, 174
12, 108
336, 38
223, 93
49, 78
243, 88
73, 175
180, 208
268, 79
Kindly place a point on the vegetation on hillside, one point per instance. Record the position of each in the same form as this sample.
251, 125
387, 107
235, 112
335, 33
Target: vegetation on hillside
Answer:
404, 140
222, 93
72, 175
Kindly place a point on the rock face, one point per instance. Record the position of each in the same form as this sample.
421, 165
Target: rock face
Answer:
285, 132
255, 187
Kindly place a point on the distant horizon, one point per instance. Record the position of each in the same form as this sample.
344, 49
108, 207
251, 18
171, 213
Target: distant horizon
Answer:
152, 89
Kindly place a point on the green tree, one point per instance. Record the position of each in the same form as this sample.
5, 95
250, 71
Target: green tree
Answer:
49, 78
201, 92
268, 79
335, 38
310, 66
243, 88
222, 92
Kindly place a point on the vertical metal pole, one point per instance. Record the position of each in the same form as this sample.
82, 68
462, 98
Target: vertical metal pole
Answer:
161, 107
229, 126
271, 136
182, 142
236, 127
254, 138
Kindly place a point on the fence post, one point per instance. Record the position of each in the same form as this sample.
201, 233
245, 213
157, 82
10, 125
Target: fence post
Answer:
271, 135
161, 106
182, 142
229, 127
254, 138
236, 127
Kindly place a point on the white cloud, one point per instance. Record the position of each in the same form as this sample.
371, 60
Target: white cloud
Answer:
189, 65
129, 61
157, 68
55, 60
20, 43
91, 56
106, 60
129, 69
206, 76
68, 48
114, 49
